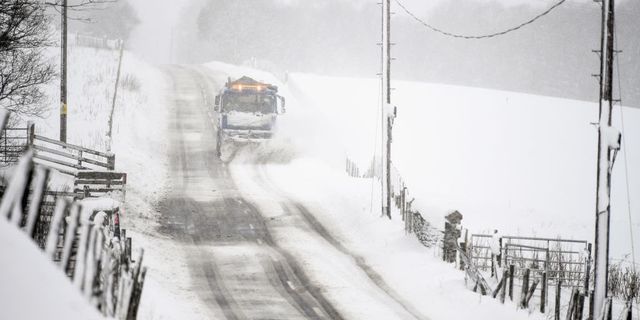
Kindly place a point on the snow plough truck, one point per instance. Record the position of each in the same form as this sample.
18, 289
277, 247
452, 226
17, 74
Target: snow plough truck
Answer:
246, 111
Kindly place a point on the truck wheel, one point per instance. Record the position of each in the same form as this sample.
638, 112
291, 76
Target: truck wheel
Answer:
219, 146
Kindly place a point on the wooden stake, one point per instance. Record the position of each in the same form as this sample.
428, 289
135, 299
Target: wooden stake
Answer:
579, 306
505, 276
512, 270
558, 296
532, 290
572, 304
525, 289
543, 292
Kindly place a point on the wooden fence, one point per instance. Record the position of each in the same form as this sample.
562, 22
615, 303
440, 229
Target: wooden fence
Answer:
100, 183
351, 168
537, 269
85, 243
83, 239
64, 157
12, 143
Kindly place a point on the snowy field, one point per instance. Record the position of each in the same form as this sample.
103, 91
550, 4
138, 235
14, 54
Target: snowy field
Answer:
519, 163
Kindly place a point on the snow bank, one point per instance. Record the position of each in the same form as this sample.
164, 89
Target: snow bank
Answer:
32, 286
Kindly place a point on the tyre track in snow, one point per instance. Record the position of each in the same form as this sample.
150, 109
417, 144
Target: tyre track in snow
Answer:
201, 258
291, 206
229, 246
287, 272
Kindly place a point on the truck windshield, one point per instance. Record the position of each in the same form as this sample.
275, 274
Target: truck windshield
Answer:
249, 102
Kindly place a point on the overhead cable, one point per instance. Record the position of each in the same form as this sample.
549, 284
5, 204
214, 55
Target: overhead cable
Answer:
483, 36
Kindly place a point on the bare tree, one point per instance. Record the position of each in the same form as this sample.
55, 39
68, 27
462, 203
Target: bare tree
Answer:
24, 33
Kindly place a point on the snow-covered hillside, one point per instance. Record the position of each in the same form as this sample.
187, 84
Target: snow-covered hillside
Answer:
520, 163
41, 290
138, 124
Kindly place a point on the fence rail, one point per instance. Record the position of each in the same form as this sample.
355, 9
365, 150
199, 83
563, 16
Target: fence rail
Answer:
565, 260
64, 157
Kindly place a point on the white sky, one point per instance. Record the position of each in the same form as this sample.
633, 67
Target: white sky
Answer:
152, 37
158, 19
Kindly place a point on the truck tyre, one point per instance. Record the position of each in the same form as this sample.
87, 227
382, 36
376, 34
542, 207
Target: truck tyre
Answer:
219, 146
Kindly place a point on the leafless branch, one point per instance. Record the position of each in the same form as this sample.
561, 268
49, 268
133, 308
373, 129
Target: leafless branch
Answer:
23, 70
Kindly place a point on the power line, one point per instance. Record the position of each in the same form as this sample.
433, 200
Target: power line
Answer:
626, 163
484, 36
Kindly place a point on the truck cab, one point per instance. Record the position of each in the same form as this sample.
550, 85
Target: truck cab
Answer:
246, 112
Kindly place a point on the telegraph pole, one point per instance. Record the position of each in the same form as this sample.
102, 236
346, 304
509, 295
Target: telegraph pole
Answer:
63, 75
603, 208
386, 104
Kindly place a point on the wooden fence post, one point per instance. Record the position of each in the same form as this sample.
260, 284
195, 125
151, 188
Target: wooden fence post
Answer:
512, 270
465, 248
558, 296
532, 290
111, 162
571, 309
31, 133
579, 306
4, 131
138, 284
496, 291
127, 250
503, 293
39, 185
404, 203
525, 288
69, 237
543, 292
590, 316
587, 270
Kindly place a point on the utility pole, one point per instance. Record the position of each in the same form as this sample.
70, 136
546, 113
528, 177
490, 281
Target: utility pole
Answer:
605, 161
63, 75
386, 103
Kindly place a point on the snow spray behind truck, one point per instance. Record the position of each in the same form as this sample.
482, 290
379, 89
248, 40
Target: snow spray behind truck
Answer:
246, 113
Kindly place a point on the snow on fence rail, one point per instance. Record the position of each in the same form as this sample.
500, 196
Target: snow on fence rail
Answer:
563, 259
12, 142
66, 158
83, 237
538, 272
530, 265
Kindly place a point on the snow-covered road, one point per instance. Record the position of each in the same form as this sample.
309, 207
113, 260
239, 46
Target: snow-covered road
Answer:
238, 235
